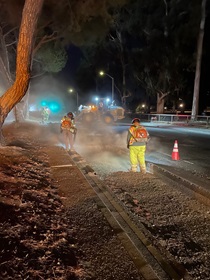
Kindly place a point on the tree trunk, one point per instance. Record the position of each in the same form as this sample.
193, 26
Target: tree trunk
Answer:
160, 104
5, 69
25, 107
198, 62
16, 92
123, 78
123, 65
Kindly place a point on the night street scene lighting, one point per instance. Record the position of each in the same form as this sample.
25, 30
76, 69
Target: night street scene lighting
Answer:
102, 73
71, 90
122, 190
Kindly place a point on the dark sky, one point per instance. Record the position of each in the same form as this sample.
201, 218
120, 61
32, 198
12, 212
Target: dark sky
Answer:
68, 74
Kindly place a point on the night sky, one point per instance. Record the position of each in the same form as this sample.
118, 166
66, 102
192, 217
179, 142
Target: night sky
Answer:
67, 76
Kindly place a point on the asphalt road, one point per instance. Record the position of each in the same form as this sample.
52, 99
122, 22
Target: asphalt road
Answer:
193, 146
102, 147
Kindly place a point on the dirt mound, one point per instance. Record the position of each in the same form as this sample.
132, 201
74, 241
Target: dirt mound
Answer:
35, 241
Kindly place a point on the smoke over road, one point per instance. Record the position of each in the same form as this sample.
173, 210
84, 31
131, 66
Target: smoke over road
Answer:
103, 148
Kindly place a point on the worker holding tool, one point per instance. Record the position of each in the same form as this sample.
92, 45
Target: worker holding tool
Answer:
137, 139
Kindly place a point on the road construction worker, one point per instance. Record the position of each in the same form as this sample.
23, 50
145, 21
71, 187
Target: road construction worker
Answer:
45, 115
137, 139
69, 130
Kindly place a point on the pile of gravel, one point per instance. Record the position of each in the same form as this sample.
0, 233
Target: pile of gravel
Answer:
175, 223
101, 254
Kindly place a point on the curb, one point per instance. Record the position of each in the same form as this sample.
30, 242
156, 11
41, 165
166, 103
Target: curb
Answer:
133, 239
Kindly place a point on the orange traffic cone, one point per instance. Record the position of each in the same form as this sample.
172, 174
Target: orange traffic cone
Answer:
175, 153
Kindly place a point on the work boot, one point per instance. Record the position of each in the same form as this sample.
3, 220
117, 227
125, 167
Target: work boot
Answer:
143, 169
133, 168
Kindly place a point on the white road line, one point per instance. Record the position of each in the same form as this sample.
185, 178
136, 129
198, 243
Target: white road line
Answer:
170, 156
188, 161
65, 165
164, 154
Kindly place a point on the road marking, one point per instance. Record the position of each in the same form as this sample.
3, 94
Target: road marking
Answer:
170, 156
188, 161
164, 154
64, 165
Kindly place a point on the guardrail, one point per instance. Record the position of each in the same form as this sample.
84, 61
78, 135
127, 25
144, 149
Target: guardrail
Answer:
178, 118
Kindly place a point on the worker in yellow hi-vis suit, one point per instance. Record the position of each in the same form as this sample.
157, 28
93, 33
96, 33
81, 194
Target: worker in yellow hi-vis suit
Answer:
137, 139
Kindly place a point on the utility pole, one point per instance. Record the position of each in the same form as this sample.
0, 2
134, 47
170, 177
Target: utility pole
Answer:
112, 79
198, 62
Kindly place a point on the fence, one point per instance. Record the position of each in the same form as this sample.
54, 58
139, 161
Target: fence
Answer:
168, 118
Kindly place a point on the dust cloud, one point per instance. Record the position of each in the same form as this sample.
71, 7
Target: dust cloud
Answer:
103, 147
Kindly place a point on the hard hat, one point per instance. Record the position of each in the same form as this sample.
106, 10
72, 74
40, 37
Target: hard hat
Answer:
70, 114
135, 120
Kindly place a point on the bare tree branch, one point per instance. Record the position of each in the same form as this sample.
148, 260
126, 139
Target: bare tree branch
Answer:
10, 44
166, 4
10, 31
38, 75
45, 39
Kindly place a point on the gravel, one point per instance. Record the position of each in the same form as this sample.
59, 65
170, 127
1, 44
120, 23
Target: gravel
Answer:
176, 224
103, 256
73, 227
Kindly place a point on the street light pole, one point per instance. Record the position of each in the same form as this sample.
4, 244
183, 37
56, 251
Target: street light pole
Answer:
77, 100
102, 73
112, 88
71, 90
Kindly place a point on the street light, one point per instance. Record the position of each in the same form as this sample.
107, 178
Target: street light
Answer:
71, 90
96, 99
102, 73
